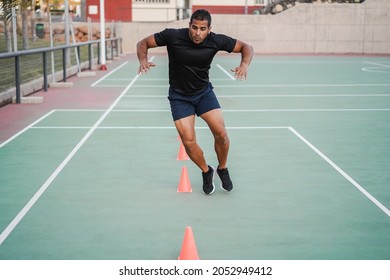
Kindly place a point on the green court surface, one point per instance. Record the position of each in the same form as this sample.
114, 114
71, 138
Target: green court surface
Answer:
309, 158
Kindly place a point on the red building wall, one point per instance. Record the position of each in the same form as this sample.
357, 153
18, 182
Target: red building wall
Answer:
117, 10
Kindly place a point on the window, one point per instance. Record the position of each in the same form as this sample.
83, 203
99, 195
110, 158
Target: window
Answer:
150, 1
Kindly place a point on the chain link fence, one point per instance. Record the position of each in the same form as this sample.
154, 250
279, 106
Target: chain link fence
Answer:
34, 31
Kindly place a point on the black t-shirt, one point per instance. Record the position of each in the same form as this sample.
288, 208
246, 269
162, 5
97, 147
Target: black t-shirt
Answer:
189, 63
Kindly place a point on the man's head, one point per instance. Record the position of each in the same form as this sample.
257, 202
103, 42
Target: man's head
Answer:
200, 26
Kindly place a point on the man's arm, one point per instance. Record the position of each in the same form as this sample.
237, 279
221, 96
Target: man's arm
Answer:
246, 58
142, 53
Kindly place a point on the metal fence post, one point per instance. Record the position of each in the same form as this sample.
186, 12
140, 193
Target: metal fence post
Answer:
45, 71
17, 79
64, 63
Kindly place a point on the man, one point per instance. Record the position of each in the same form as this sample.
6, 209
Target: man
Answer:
191, 51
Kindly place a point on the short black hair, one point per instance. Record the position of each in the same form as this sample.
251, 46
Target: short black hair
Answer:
201, 15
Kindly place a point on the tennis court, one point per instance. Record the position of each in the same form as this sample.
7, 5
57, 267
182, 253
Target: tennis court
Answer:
309, 158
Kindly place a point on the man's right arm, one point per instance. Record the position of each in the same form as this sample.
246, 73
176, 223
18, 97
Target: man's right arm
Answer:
142, 53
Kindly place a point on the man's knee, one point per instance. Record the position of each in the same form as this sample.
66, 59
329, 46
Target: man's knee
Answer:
222, 138
189, 145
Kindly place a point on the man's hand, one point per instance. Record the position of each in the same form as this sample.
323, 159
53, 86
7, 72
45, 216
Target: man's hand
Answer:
246, 58
240, 72
145, 67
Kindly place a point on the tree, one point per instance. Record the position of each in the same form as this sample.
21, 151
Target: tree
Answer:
6, 6
24, 5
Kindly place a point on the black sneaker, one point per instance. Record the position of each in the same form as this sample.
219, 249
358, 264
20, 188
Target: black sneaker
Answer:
208, 181
227, 184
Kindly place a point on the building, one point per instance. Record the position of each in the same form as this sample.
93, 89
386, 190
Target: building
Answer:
160, 10
229, 6
166, 10
115, 10
149, 10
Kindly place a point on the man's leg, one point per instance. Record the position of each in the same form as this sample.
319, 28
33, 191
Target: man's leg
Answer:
215, 121
186, 130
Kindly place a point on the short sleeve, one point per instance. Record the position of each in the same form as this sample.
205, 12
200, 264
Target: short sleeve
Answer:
164, 37
225, 43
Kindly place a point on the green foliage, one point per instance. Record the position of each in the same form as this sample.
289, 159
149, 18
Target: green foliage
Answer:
6, 6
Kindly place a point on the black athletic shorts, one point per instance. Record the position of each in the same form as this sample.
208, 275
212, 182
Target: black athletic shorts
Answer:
186, 105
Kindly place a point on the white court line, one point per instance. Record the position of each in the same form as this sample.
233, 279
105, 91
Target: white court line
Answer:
226, 72
305, 85
167, 80
237, 110
267, 110
197, 127
152, 86
25, 129
141, 110
309, 110
145, 96
298, 135
303, 62
117, 79
112, 72
269, 95
7, 231
378, 64
61, 127
80, 110
304, 95
153, 79
303, 139
157, 127
240, 85
343, 173
110, 86
376, 69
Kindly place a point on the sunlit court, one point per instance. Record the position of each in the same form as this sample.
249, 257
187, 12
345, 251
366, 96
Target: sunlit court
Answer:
309, 160
167, 139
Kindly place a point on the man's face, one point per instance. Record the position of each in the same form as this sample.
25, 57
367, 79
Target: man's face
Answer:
198, 30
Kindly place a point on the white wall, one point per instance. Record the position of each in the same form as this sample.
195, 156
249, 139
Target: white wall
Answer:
154, 12
306, 28
223, 2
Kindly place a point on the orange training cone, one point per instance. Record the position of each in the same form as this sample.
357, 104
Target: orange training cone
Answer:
188, 249
184, 184
182, 155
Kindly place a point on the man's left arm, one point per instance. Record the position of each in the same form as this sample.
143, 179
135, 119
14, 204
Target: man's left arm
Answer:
246, 58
